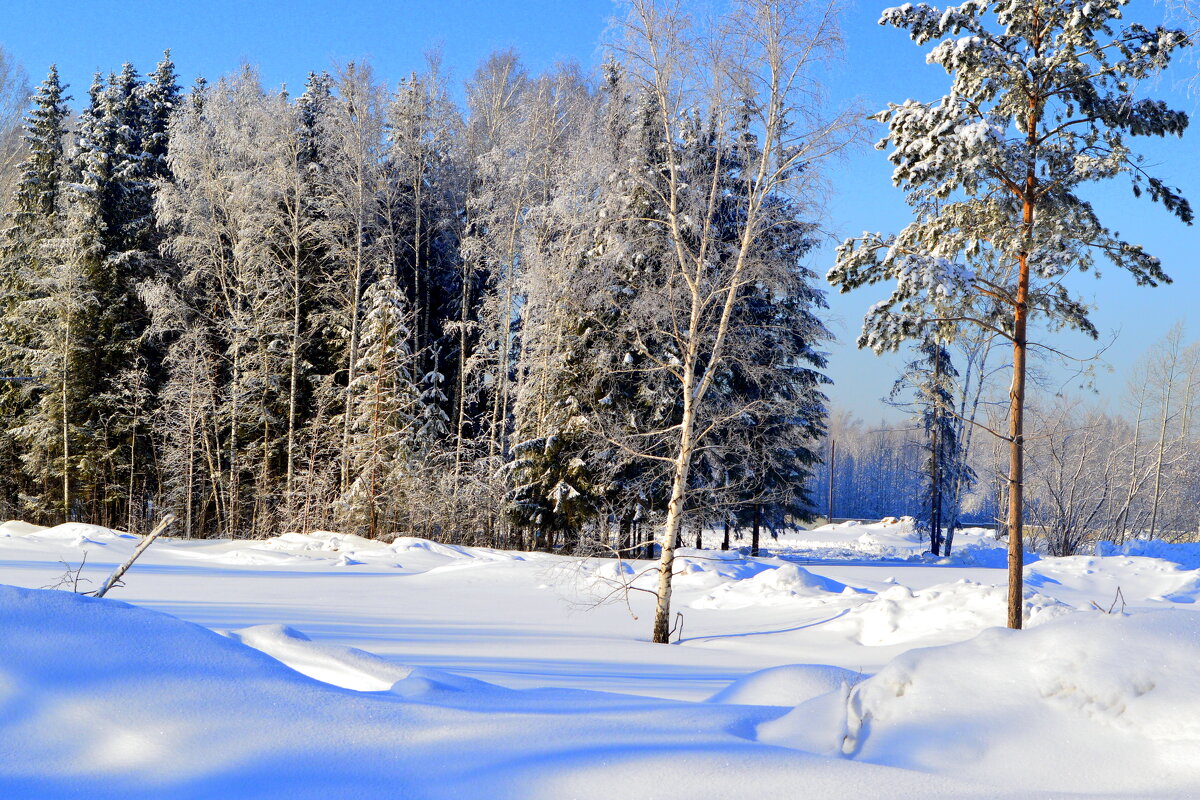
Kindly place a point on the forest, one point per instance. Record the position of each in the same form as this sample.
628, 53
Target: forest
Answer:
363, 308
561, 313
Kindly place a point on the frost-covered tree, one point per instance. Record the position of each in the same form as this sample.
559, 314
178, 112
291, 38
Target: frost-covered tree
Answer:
351, 233
225, 211
33, 218
742, 96
1042, 103
423, 197
932, 380
14, 103
385, 411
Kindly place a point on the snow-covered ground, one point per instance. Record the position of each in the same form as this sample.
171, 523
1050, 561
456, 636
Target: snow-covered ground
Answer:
843, 664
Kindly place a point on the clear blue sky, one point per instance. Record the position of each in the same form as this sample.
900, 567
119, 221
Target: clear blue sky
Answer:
288, 40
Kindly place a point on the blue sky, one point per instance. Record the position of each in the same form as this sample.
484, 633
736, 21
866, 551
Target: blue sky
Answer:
287, 41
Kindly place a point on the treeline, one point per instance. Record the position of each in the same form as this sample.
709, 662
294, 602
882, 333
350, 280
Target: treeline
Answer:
1108, 470
361, 307
1122, 471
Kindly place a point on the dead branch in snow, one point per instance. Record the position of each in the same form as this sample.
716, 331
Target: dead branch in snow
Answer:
141, 548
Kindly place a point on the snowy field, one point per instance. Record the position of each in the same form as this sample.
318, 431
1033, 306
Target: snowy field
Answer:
842, 665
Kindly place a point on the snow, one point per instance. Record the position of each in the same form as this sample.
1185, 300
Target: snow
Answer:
1090, 703
845, 661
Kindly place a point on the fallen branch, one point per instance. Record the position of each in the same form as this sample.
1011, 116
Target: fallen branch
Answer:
141, 548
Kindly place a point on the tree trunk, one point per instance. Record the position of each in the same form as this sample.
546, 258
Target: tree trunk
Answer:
755, 530
1169, 377
666, 561
1016, 465
832, 475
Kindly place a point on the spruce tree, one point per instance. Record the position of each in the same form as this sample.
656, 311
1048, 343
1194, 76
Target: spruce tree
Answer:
385, 401
945, 474
33, 219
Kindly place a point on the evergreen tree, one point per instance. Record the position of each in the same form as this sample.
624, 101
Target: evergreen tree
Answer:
1041, 104
946, 473
33, 219
385, 411
162, 96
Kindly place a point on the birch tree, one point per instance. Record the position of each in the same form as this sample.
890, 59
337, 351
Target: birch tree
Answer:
746, 86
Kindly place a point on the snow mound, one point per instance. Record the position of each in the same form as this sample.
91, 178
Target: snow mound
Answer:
347, 667
783, 584
788, 685
942, 613
321, 541
15, 527
100, 699
255, 557
1185, 554
1090, 703
76, 534
1096, 579
409, 544
889, 538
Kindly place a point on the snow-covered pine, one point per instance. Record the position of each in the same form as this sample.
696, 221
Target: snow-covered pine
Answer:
1042, 102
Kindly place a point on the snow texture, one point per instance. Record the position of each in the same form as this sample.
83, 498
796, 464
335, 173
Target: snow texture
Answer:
843, 662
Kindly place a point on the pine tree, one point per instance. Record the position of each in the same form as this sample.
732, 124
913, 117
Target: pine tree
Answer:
1041, 104
63, 454
161, 95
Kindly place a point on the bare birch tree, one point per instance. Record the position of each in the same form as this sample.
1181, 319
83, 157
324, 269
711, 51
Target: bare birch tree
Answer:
748, 83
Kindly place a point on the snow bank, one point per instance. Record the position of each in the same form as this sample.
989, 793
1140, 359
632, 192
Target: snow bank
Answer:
348, 667
895, 538
76, 534
99, 699
788, 685
941, 613
1089, 703
1185, 554
773, 586
15, 527
1091, 579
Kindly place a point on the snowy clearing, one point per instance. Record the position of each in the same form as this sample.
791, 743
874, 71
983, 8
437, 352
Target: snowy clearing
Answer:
844, 662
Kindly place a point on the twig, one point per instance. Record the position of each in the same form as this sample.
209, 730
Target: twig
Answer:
678, 625
1118, 596
71, 576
